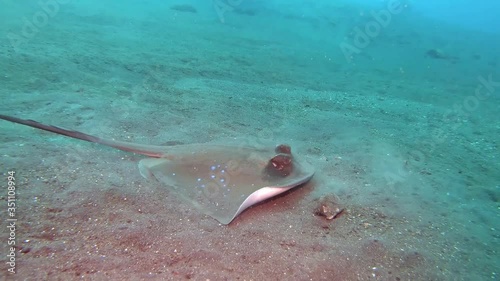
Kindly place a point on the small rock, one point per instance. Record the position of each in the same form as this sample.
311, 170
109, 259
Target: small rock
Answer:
184, 8
328, 207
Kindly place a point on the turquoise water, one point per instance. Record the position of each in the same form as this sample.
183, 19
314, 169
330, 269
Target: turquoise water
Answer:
394, 103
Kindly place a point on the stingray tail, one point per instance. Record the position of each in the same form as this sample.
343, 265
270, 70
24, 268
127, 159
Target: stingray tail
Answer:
149, 150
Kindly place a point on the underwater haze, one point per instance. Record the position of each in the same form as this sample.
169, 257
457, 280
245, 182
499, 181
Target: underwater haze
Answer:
393, 103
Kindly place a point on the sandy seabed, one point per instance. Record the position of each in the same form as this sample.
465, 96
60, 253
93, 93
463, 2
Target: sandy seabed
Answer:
395, 135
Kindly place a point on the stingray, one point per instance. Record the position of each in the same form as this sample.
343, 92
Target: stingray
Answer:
220, 180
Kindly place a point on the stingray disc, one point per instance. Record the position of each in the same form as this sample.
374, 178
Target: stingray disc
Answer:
222, 181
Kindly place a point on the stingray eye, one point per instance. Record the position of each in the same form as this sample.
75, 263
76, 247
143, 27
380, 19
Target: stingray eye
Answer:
280, 165
283, 148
